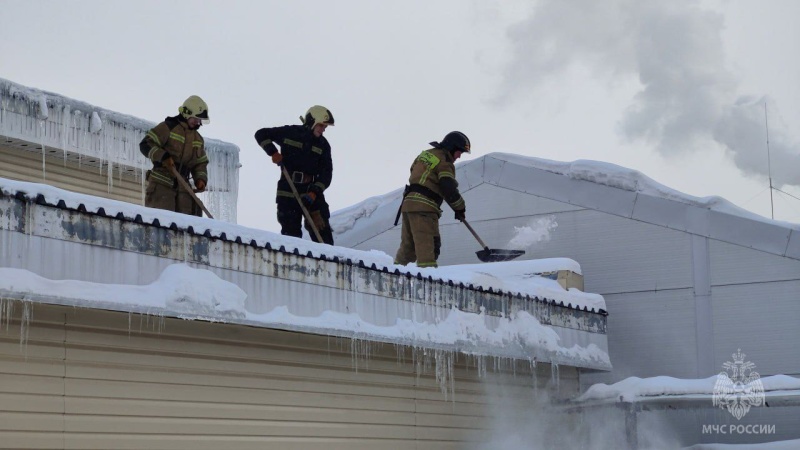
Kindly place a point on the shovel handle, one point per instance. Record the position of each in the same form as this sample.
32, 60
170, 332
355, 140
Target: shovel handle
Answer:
187, 188
309, 220
486, 247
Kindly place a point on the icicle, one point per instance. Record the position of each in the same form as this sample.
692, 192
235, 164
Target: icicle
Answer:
42, 111
42, 125
95, 124
24, 326
354, 354
66, 119
444, 372
110, 176
6, 310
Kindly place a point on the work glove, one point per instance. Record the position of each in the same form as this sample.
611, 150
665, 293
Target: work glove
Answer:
168, 163
277, 158
199, 185
461, 215
309, 198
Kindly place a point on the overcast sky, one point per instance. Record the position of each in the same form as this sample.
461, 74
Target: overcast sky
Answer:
675, 89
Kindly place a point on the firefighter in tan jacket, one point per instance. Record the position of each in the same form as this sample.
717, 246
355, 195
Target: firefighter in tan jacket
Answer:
176, 143
432, 181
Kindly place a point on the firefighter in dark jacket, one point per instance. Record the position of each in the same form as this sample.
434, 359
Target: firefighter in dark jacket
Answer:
306, 155
432, 181
176, 143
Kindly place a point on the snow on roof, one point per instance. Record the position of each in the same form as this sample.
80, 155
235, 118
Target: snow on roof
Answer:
612, 175
44, 99
635, 389
98, 137
595, 185
514, 277
189, 293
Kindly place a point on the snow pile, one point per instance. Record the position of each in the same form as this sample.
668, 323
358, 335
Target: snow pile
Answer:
192, 294
634, 388
199, 292
95, 124
522, 277
180, 289
458, 329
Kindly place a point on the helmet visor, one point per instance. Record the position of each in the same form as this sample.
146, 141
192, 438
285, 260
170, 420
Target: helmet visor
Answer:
203, 116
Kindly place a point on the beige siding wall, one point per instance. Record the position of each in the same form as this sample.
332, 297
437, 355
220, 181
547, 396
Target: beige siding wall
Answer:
23, 165
81, 378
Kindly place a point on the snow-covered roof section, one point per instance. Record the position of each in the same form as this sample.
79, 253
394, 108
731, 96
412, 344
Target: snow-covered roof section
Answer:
198, 294
636, 389
518, 277
96, 136
500, 309
594, 185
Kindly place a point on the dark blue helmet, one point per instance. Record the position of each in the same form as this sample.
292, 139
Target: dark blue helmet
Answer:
454, 141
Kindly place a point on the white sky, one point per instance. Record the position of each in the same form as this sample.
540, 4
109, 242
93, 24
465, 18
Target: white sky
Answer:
646, 85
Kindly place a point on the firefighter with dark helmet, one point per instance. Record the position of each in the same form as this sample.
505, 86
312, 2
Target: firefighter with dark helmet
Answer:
306, 155
176, 143
432, 182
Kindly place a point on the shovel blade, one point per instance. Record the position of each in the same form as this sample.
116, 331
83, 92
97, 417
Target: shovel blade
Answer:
496, 255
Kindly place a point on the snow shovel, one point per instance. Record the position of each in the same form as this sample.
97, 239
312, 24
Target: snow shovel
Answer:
309, 220
187, 188
493, 254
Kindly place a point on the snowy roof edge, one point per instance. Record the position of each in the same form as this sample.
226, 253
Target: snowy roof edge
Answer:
465, 347
30, 93
193, 225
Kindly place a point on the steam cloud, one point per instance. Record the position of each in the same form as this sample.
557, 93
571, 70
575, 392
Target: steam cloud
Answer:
687, 100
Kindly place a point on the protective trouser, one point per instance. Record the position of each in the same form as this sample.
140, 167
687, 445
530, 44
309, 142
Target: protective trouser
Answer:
291, 218
161, 196
419, 239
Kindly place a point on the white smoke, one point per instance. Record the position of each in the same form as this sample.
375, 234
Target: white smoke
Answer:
687, 98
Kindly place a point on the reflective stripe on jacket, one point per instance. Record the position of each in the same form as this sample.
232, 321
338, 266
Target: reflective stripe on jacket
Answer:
185, 146
428, 170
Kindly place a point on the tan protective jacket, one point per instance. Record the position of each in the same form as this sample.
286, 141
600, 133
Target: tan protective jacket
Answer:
429, 170
187, 148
